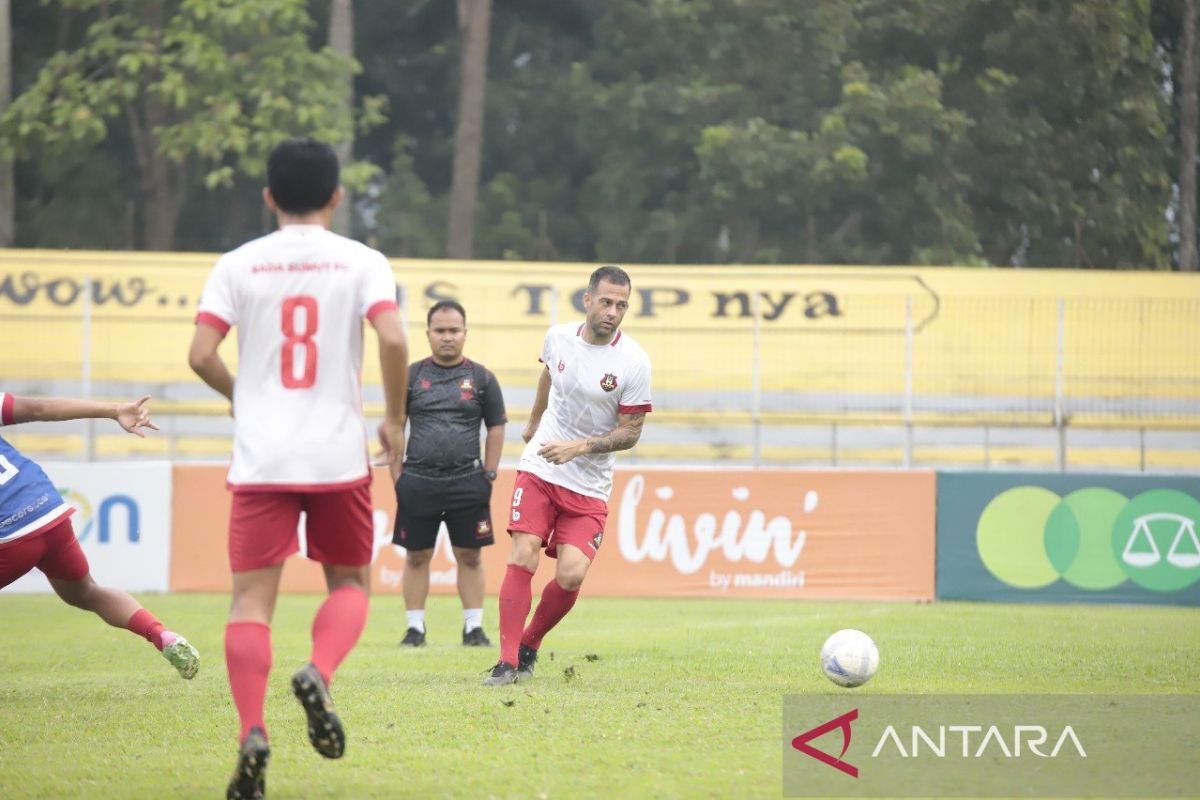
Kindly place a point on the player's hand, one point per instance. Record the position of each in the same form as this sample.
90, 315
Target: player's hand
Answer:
391, 443
135, 416
530, 429
560, 452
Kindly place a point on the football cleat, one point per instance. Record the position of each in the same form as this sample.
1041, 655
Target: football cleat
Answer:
475, 638
181, 654
503, 674
413, 638
324, 728
249, 781
526, 658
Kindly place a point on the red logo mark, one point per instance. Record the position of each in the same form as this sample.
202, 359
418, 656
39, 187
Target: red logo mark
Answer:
561, 365
801, 742
425, 384
608, 382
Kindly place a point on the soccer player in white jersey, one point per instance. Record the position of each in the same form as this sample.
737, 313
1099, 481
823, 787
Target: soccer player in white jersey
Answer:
298, 298
592, 398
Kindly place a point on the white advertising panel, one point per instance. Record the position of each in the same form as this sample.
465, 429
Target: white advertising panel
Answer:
122, 520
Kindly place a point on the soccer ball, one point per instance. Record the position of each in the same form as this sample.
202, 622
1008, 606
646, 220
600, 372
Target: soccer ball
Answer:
849, 658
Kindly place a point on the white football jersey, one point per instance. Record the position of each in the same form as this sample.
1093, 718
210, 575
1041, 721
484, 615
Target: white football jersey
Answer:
298, 298
590, 384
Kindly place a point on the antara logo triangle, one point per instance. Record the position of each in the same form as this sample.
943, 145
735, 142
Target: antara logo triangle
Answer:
801, 742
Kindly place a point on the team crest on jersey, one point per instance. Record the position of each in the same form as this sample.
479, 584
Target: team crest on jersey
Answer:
597, 539
482, 529
608, 382
466, 389
425, 384
561, 365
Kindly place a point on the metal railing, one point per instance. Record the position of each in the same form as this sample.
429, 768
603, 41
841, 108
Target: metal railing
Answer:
966, 373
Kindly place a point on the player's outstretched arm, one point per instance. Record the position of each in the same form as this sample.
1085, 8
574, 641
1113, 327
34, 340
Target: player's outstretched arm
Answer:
133, 417
207, 363
393, 364
622, 437
540, 401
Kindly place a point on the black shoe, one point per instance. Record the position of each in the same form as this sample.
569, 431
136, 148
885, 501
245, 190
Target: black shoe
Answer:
413, 638
475, 638
324, 728
526, 658
503, 674
249, 781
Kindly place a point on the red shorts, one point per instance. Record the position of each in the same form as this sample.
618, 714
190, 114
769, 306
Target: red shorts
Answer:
338, 527
557, 515
55, 551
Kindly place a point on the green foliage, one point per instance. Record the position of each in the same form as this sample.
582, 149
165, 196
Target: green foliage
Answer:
94, 711
213, 82
844, 131
407, 222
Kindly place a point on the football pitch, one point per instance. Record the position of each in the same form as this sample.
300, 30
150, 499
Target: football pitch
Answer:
632, 698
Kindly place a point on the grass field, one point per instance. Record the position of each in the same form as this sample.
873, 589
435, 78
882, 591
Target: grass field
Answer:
633, 698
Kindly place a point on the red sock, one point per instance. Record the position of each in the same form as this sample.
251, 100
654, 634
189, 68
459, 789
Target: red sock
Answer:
556, 602
248, 660
336, 628
146, 625
515, 599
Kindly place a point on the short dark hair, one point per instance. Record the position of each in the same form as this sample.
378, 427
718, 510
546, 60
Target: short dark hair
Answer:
614, 275
302, 175
442, 305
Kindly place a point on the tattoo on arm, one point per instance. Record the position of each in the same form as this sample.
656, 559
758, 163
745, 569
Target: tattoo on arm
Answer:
622, 437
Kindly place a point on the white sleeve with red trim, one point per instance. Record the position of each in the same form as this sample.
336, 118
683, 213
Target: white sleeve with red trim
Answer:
6, 409
378, 288
218, 304
635, 394
547, 356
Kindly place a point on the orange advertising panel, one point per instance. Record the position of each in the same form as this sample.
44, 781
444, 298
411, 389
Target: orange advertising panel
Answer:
670, 533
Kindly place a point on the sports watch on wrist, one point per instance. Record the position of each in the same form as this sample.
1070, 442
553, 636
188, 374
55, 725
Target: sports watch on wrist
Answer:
490, 474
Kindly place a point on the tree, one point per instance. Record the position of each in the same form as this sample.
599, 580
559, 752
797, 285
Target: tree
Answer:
474, 23
1187, 140
203, 86
8, 198
1068, 160
341, 40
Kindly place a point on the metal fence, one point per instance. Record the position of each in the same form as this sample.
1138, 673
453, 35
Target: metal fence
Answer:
895, 380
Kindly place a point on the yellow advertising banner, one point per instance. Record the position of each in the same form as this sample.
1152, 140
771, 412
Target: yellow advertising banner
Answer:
670, 533
849, 330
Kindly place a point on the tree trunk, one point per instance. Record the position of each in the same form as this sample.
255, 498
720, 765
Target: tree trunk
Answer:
1187, 141
474, 22
161, 180
163, 189
8, 198
341, 39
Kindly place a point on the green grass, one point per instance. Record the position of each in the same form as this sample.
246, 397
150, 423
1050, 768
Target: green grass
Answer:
633, 698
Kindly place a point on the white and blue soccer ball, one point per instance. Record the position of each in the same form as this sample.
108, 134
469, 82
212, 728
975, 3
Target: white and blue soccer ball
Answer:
849, 658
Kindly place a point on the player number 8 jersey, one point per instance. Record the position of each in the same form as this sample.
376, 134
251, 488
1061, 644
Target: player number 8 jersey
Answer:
298, 297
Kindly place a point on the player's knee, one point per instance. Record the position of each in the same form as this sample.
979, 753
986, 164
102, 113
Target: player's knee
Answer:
468, 557
79, 594
419, 559
525, 552
570, 576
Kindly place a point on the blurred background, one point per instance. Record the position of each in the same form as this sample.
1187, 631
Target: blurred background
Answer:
862, 232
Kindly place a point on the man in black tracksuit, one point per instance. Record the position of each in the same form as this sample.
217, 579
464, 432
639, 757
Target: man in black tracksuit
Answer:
444, 479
